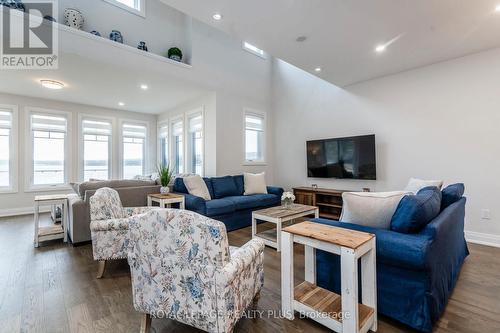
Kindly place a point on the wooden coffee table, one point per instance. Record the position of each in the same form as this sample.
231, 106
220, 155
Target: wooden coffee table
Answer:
166, 200
279, 215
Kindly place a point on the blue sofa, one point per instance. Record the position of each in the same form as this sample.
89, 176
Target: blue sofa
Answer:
228, 203
416, 272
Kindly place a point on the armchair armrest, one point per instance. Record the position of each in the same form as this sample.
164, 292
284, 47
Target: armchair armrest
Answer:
131, 211
194, 203
275, 190
109, 225
247, 255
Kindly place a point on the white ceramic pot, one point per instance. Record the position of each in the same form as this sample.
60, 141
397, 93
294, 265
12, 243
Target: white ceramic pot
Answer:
164, 190
73, 18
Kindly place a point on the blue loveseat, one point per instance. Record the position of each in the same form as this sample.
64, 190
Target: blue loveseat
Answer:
416, 272
228, 203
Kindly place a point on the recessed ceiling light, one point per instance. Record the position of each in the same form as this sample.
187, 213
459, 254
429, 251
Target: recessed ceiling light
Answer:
121, 104
144, 87
380, 48
217, 17
51, 84
497, 8
317, 69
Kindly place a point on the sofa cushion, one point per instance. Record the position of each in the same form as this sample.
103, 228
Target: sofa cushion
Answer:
224, 187
219, 207
452, 194
240, 184
255, 183
95, 185
253, 201
414, 212
372, 209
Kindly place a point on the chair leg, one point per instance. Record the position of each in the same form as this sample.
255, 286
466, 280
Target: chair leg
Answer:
100, 268
145, 323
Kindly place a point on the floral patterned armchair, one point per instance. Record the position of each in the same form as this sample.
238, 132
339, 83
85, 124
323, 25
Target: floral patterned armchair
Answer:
182, 268
109, 226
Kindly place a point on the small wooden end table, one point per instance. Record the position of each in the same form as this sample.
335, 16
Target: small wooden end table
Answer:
56, 231
166, 200
341, 313
278, 215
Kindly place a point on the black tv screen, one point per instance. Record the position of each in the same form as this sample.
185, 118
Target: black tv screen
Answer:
351, 158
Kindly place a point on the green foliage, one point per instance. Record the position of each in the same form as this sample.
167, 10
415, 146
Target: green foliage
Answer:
175, 51
165, 174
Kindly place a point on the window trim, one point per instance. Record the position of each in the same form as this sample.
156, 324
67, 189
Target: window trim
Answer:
120, 143
159, 125
173, 120
28, 172
263, 115
139, 12
187, 160
81, 146
13, 153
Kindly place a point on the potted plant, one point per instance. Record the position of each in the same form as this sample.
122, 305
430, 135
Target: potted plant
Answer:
175, 53
165, 174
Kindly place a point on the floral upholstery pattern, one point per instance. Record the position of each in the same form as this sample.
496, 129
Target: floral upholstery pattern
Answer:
182, 268
110, 223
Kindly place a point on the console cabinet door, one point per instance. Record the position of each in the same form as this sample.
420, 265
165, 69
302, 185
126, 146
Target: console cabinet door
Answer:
304, 198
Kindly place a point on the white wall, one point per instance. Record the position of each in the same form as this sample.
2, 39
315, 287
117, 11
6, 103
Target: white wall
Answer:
22, 201
437, 122
162, 28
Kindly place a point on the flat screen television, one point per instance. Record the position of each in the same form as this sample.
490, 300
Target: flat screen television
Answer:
350, 157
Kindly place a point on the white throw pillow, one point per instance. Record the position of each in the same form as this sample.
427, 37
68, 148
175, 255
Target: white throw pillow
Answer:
415, 185
371, 209
197, 186
255, 183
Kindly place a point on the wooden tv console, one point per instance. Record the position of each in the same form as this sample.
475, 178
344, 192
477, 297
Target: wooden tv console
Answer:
328, 201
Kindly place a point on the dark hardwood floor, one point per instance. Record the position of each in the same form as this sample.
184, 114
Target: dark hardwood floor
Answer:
54, 289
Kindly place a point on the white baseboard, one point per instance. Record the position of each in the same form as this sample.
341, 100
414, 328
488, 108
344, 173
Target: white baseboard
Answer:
21, 211
483, 239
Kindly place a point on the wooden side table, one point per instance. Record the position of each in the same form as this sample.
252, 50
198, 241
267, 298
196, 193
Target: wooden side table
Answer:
51, 232
341, 313
166, 200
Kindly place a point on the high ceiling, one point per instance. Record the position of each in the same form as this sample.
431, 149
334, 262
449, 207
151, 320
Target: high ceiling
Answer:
342, 34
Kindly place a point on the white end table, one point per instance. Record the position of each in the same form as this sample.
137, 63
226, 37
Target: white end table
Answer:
166, 200
56, 231
341, 313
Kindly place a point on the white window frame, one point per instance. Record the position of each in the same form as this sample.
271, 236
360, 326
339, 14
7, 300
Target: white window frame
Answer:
140, 12
13, 153
146, 163
250, 48
81, 146
160, 125
263, 115
187, 159
29, 186
173, 120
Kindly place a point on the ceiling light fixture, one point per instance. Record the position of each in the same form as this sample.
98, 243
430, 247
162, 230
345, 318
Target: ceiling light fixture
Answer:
51, 84
380, 48
217, 17
144, 87
317, 69
121, 104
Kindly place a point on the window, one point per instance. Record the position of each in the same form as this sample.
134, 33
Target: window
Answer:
96, 149
178, 146
7, 160
195, 143
163, 142
254, 50
134, 6
254, 137
134, 138
48, 133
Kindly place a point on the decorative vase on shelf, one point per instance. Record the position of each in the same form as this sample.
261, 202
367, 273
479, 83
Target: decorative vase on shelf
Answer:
164, 190
142, 46
116, 36
96, 33
73, 18
14, 4
287, 200
49, 18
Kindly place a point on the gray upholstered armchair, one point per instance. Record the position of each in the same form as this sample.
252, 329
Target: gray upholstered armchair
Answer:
109, 226
182, 268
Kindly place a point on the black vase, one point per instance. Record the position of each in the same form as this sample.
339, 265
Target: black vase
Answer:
142, 46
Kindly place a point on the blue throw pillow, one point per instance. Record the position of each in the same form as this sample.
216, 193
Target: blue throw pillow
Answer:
452, 194
179, 186
240, 184
414, 212
224, 187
